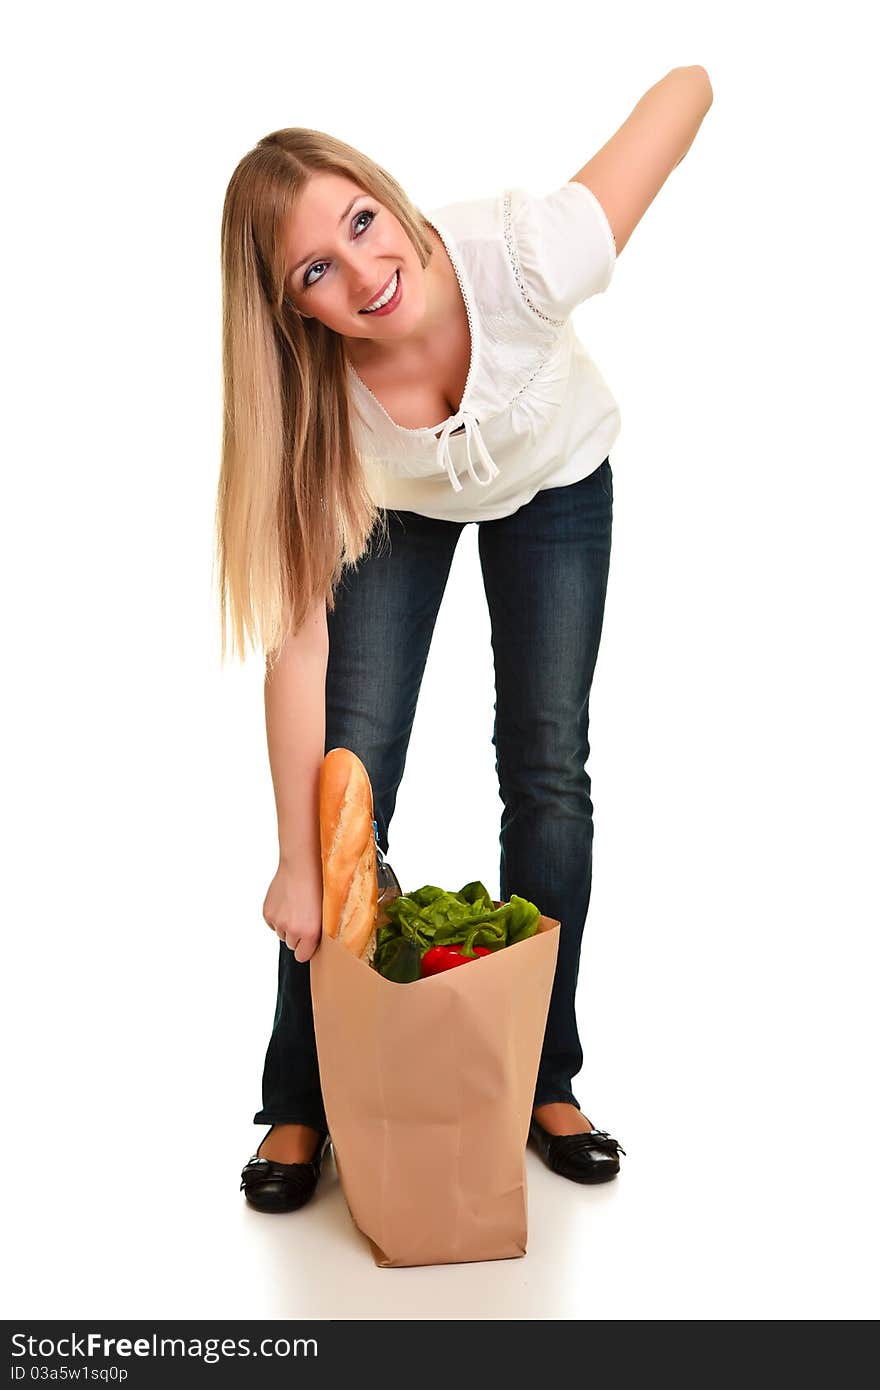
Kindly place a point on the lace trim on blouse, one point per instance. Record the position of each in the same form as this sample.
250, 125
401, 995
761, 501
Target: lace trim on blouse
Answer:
514, 261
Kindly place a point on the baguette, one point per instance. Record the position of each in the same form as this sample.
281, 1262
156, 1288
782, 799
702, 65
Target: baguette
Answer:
348, 853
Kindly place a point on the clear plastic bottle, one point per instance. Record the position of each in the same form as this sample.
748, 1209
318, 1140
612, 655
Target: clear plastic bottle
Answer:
389, 886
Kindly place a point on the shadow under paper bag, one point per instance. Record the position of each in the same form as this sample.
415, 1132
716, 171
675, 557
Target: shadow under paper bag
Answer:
428, 1089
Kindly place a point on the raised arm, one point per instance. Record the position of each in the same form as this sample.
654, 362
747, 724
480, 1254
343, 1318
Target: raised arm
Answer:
628, 172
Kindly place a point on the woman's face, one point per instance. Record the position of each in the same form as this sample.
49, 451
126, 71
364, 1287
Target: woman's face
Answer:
341, 250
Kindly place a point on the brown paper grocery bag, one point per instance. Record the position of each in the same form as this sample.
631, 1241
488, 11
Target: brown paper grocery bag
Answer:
428, 1089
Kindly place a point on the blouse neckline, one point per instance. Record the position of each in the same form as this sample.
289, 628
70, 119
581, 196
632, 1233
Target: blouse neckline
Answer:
473, 326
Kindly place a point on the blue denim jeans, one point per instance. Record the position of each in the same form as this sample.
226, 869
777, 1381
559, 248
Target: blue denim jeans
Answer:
545, 571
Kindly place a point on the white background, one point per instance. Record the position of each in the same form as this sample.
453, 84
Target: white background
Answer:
726, 986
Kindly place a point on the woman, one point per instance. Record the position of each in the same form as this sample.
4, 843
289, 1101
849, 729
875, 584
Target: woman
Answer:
388, 379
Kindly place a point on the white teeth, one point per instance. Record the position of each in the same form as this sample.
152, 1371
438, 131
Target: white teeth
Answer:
389, 294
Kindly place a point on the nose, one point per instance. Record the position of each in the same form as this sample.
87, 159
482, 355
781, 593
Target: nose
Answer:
366, 283
364, 277
362, 288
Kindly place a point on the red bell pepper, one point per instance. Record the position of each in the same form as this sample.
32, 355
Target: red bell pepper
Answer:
439, 958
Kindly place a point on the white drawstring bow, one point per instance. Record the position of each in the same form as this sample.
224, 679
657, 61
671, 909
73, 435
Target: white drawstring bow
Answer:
444, 453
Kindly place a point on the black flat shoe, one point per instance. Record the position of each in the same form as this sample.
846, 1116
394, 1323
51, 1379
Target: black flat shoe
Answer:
590, 1157
271, 1186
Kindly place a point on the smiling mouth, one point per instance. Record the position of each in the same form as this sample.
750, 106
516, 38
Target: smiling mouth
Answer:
386, 294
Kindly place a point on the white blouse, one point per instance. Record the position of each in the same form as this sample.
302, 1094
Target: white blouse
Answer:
536, 413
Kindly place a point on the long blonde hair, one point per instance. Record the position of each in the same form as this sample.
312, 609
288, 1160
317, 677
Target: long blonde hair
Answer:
293, 507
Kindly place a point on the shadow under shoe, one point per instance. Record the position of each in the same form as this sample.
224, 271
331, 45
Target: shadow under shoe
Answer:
590, 1157
271, 1186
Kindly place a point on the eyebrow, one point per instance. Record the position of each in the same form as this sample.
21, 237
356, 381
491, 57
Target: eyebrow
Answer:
314, 255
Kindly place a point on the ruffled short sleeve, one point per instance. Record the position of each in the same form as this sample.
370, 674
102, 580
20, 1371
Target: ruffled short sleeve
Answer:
561, 247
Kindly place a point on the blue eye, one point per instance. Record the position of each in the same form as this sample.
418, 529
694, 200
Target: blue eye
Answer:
364, 212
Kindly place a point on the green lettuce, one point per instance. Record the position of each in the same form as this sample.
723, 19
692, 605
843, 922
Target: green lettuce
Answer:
431, 917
